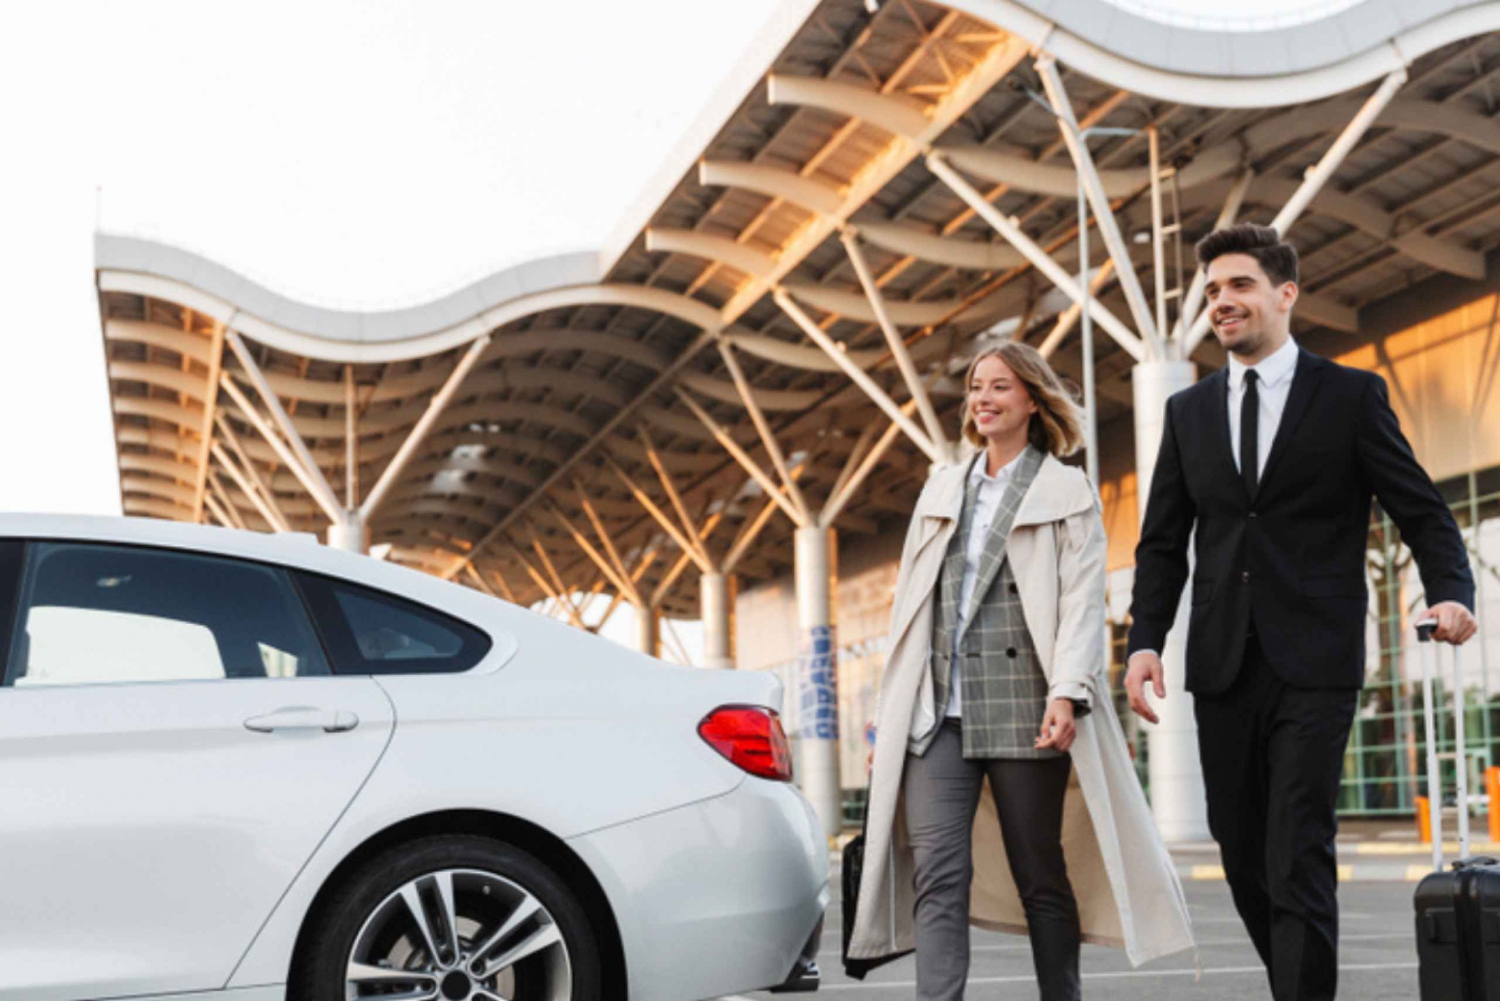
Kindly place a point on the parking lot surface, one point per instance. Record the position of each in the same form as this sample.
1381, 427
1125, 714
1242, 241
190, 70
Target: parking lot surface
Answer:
1377, 958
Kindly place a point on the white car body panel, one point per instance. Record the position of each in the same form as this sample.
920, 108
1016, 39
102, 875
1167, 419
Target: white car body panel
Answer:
719, 890
147, 821
715, 878
560, 777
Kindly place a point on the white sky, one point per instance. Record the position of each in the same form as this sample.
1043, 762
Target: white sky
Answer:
349, 154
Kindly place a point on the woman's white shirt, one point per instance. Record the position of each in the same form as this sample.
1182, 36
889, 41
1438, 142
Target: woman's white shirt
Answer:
988, 493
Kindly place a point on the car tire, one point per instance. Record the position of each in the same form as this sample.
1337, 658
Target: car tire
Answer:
365, 940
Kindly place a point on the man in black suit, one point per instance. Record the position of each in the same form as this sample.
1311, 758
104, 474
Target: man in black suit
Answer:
1273, 460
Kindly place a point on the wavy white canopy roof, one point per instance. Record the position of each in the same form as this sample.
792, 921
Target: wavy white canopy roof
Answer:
145, 267
1239, 69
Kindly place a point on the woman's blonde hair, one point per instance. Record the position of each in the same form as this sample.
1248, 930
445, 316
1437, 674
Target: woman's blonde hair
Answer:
1057, 425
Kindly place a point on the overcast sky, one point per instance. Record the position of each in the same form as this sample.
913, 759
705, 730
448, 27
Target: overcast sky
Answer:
349, 154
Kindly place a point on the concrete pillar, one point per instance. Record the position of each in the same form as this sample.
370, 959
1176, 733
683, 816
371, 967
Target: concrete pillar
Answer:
1177, 798
713, 591
648, 631
351, 535
817, 680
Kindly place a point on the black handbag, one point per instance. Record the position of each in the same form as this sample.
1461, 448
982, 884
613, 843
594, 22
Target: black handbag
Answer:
854, 865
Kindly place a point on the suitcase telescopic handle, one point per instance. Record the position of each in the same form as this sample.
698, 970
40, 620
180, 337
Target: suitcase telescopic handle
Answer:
1425, 629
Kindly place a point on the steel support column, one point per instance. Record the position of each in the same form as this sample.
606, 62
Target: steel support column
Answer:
713, 591
1177, 798
351, 534
817, 679
648, 630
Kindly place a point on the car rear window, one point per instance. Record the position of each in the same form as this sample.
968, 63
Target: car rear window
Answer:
372, 632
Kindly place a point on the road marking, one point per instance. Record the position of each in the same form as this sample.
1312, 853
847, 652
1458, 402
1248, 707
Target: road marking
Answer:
1416, 848
1346, 873
1123, 975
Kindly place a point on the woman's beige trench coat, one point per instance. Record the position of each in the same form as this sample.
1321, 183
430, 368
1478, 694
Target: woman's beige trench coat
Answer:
1127, 887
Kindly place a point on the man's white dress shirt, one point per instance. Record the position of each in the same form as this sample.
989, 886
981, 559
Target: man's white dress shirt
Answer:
1275, 374
988, 492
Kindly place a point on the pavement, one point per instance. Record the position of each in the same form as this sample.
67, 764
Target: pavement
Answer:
1378, 863
1377, 958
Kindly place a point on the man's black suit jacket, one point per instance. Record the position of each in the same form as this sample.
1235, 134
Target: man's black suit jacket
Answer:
1291, 559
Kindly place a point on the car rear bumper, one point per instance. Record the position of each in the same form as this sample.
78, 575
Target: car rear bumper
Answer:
716, 897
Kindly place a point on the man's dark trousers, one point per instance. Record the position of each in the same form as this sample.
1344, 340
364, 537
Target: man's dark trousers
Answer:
1272, 756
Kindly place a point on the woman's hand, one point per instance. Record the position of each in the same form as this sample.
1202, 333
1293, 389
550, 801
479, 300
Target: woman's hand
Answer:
1058, 730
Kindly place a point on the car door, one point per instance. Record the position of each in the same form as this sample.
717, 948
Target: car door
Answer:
173, 748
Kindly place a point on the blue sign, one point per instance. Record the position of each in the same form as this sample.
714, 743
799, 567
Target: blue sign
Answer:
817, 685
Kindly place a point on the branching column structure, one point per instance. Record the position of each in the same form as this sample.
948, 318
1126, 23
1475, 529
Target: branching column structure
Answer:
348, 522
612, 565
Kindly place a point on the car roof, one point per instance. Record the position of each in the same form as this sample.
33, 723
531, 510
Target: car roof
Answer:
296, 550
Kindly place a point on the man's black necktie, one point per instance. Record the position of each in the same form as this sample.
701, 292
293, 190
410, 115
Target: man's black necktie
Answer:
1250, 434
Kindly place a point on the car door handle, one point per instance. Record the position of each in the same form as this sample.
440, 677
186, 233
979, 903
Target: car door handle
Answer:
304, 718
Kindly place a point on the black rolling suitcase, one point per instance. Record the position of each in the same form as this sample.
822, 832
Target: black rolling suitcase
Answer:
1458, 911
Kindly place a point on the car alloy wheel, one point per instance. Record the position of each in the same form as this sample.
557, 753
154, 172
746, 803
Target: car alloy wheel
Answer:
459, 935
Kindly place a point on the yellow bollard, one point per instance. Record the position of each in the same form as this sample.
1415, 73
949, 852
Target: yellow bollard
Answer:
1424, 820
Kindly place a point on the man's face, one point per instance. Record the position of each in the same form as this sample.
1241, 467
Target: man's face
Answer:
1246, 310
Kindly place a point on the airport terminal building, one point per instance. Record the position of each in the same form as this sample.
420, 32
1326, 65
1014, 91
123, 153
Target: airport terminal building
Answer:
726, 413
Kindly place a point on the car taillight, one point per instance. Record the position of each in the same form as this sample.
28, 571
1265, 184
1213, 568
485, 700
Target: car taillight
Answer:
751, 738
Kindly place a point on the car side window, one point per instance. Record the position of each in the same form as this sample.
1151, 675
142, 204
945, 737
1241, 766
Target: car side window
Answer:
372, 632
11, 551
90, 613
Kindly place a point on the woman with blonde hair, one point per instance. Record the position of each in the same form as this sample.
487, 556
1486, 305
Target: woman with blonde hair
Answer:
996, 669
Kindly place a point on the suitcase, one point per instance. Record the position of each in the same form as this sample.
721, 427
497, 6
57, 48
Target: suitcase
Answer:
1457, 911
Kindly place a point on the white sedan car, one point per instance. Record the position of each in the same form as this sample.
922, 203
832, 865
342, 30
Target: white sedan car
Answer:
246, 767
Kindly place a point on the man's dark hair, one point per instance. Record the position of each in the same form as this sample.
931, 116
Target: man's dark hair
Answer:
1278, 260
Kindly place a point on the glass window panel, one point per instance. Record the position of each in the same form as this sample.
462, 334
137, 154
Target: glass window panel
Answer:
92, 614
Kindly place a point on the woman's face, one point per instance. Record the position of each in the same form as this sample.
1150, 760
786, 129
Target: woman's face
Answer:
998, 401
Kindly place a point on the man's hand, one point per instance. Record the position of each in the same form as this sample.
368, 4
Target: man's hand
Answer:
1455, 623
1143, 665
1057, 726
